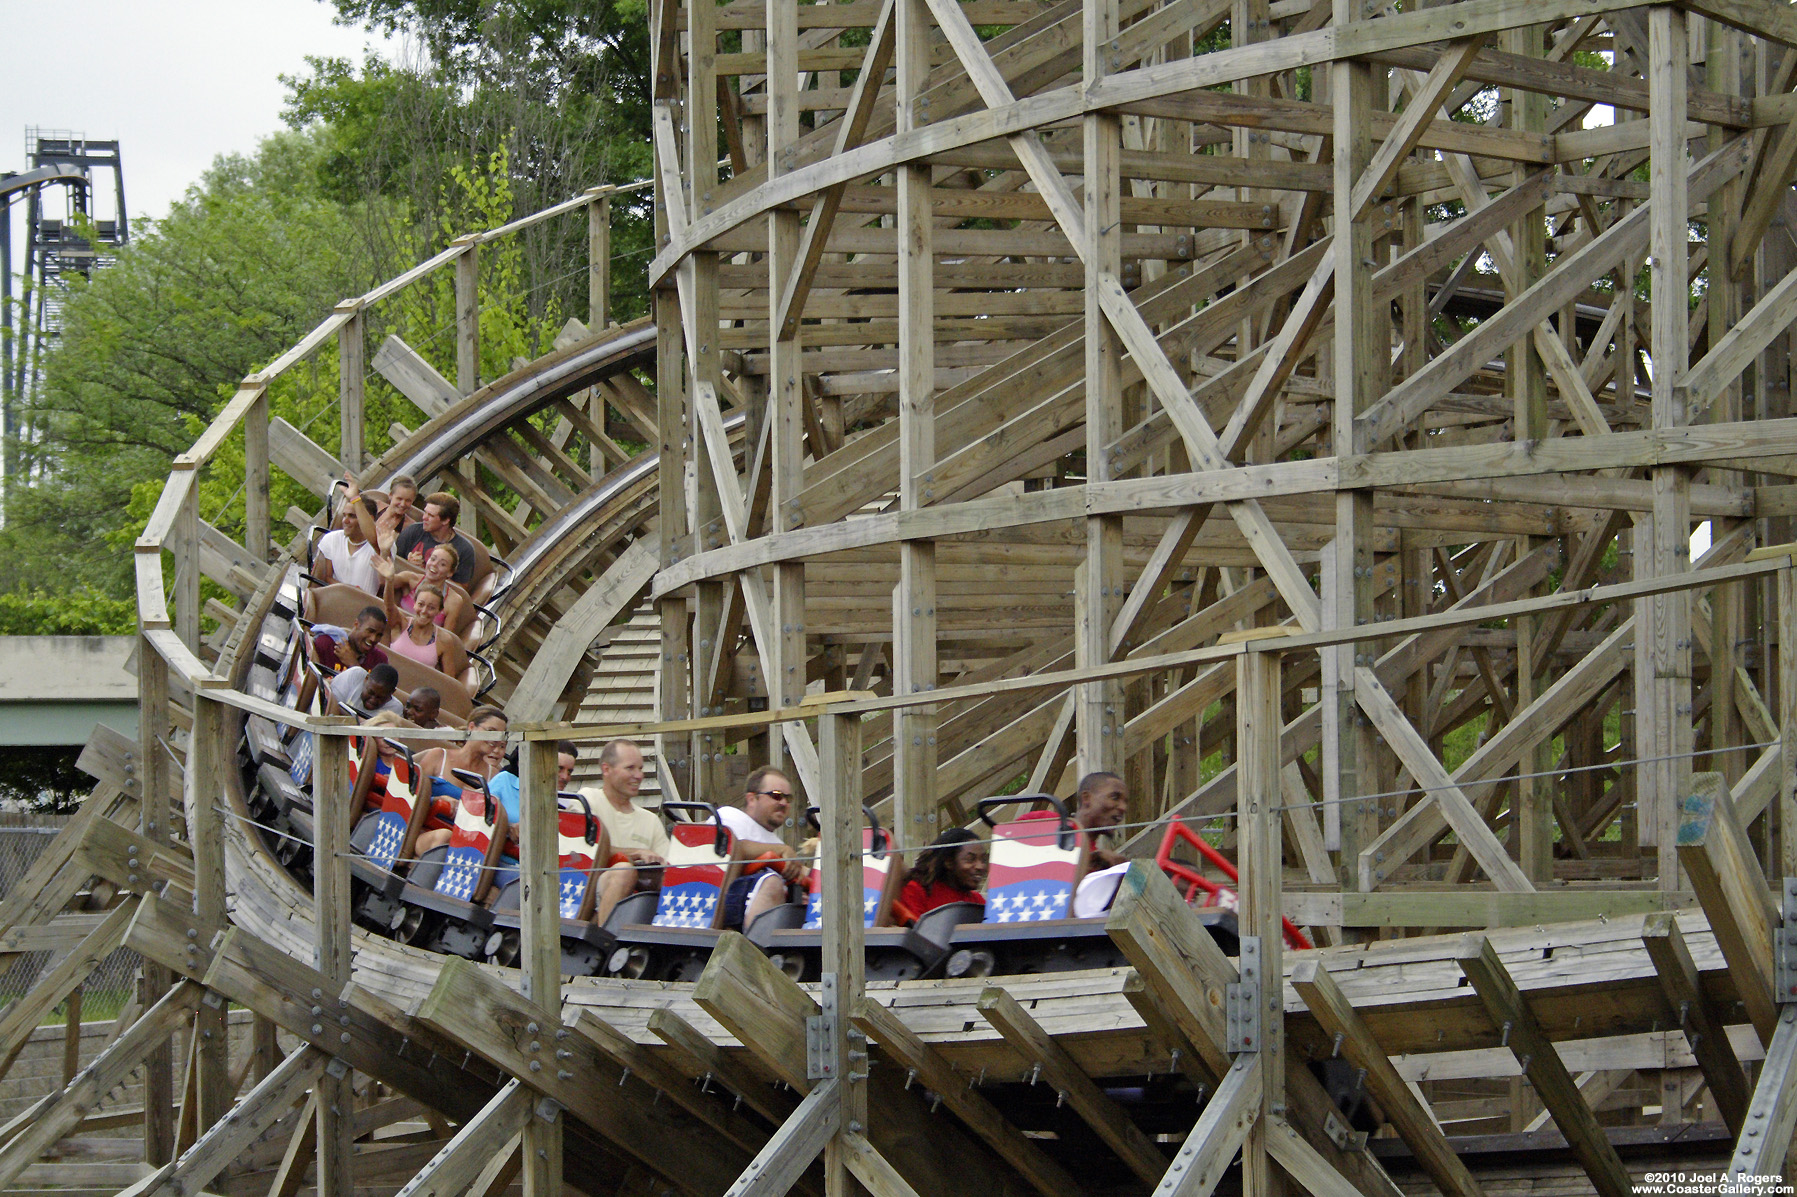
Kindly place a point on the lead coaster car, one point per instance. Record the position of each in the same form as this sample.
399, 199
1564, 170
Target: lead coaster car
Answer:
792, 935
1026, 926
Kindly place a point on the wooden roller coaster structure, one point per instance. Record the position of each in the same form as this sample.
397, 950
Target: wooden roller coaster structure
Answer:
1365, 427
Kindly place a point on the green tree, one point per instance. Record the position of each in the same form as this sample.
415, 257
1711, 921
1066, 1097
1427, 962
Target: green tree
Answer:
560, 89
152, 346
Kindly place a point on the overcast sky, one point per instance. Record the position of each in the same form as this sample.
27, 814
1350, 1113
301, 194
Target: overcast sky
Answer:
176, 82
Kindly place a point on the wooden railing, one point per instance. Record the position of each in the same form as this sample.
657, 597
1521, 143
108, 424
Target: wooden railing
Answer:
172, 658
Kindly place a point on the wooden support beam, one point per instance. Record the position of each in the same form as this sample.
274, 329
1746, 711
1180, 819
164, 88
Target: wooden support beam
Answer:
501, 1169
1708, 1037
766, 1010
656, 1070
1541, 1063
1108, 1119
48, 991
1312, 1174
1724, 869
99, 1078
1765, 1143
291, 1173
1440, 786
1217, 1135
496, 1023
706, 1058
1337, 1016
793, 1148
871, 1168
225, 1140
1175, 957
908, 1050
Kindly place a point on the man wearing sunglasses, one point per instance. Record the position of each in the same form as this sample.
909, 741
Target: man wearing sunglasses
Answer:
767, 800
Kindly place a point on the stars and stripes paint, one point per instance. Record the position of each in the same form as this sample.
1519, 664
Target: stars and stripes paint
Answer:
693, 883
461, 872
1032, 876
693, 904
874, 873
573, 892
389, 836
468, 845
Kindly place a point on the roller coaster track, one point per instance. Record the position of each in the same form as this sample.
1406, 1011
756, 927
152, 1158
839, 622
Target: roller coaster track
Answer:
1062, 438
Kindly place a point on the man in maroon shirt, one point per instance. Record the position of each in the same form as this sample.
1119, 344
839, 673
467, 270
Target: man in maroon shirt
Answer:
361, 645
335, 649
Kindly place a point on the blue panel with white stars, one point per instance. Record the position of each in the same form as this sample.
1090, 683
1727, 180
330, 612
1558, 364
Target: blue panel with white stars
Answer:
389, 834
573, 892
1030, 900
814, 910
461, 871
690, 905
301, 769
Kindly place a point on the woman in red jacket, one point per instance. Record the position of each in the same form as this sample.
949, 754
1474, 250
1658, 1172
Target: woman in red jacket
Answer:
951, 869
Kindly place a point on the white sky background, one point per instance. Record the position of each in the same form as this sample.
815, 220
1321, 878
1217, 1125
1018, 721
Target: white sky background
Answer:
176, 82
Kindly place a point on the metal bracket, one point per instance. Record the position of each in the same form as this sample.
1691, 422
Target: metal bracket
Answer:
1784, 972
337, 1066
549, 1109
1341, 1134
212, 999
821, 1060
1241, 1002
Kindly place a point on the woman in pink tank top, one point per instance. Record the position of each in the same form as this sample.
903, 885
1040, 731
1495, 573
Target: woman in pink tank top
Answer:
401, 585
419, 638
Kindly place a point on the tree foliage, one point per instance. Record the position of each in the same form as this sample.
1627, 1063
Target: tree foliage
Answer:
153, 345
44, 779
514, 105
77, 613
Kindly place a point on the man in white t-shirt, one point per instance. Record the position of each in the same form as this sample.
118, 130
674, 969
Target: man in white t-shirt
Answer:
766, 800
369, 690
345, 554
635, 833
1102, 803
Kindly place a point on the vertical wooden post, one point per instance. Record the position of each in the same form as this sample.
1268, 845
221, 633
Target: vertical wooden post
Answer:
844, 933
331, 952
673, 764
187, 560
1787, 718
1098, 706
467, 362
599, 267
1725, 73
914, 618
705, 367
598, 305
1260, 860
71, 1035
352, 366
152, 724
207, 752
255, 477
264, 1047
785, 673
1349, 748
1666, 732
1525, 384
540, 915
467, 319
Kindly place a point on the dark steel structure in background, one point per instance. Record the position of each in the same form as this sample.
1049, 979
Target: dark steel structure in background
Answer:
72, 240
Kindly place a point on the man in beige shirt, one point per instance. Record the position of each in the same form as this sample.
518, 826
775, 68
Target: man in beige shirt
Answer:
634, 832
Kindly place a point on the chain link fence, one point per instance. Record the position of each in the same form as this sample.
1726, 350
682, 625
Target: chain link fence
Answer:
23, 838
